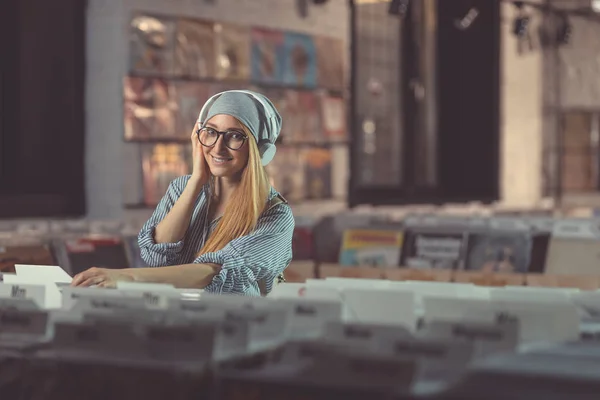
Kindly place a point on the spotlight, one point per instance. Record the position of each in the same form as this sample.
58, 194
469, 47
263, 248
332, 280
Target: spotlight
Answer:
465, 22
399, 7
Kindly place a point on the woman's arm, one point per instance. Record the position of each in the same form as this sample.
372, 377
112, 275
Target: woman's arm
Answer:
188, 276
194, 276
172, 207
173, 226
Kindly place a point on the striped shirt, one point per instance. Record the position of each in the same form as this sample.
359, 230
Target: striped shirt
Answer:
263, 254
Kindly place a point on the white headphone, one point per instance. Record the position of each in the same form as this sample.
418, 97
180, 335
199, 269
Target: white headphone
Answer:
266, 148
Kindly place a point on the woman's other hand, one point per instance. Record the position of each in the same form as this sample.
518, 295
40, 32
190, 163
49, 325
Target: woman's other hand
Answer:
101, 277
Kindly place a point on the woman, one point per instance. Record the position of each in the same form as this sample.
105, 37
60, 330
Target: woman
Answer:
222, 228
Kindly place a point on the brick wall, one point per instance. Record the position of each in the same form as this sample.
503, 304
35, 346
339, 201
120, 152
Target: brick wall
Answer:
108, 180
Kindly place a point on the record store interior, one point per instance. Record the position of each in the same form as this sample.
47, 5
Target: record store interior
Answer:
300, 199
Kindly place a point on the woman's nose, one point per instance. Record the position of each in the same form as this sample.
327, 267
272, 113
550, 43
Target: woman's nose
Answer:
220, 144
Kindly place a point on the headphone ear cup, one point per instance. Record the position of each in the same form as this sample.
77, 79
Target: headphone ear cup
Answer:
267, 152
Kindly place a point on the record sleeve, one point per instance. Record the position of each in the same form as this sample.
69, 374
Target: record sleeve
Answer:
152, 45
286, 173
232, 43
331, 62
503, 252
333, 117
149, 109
195, 49
317, 173
300, 60
433, 249
190, 98
370, 247
268, 54
32, 254
302, 117
161, 164
84, 253
573, 256
302, 243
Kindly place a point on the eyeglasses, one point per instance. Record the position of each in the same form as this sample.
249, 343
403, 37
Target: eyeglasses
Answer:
208, 137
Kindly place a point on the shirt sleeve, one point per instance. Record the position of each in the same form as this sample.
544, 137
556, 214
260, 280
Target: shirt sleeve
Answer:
161, 254
263, 254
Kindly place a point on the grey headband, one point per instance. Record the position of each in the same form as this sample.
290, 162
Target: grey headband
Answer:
253, 110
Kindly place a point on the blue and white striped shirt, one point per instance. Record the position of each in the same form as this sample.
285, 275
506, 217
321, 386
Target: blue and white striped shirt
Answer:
263, 254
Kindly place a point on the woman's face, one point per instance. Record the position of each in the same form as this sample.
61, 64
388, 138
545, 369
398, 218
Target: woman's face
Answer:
223, 161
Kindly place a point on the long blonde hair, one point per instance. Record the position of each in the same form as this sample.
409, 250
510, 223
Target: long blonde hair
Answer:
246, 204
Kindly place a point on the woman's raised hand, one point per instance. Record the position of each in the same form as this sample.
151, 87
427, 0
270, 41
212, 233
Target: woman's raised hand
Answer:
200, 170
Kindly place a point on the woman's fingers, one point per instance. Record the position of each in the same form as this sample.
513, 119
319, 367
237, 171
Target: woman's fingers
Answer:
94, 280
91, 274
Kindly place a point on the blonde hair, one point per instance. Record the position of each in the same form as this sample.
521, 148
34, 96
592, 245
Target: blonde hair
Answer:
246, 204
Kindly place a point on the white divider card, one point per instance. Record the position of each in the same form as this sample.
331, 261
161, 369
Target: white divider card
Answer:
102, 302
589, 303
381, 306
73, 296
446, 289
155, 295
344, 283
486, 338
12, 303
538, 322
23, 322
180, 342
228, 301
43, 273
341, 367
321, 289
233, 335
36, 293
525, 294
267, 327
233, 339
287, 290
102, 339
308, 317
354, 335
137, 316
437, 359
576, 229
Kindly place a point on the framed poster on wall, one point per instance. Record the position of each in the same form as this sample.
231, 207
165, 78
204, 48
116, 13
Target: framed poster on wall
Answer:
195, 49
152, 45
149, 110
268, 55
232, 51
300, 60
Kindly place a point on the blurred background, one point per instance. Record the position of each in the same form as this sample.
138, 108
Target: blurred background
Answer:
387, 105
